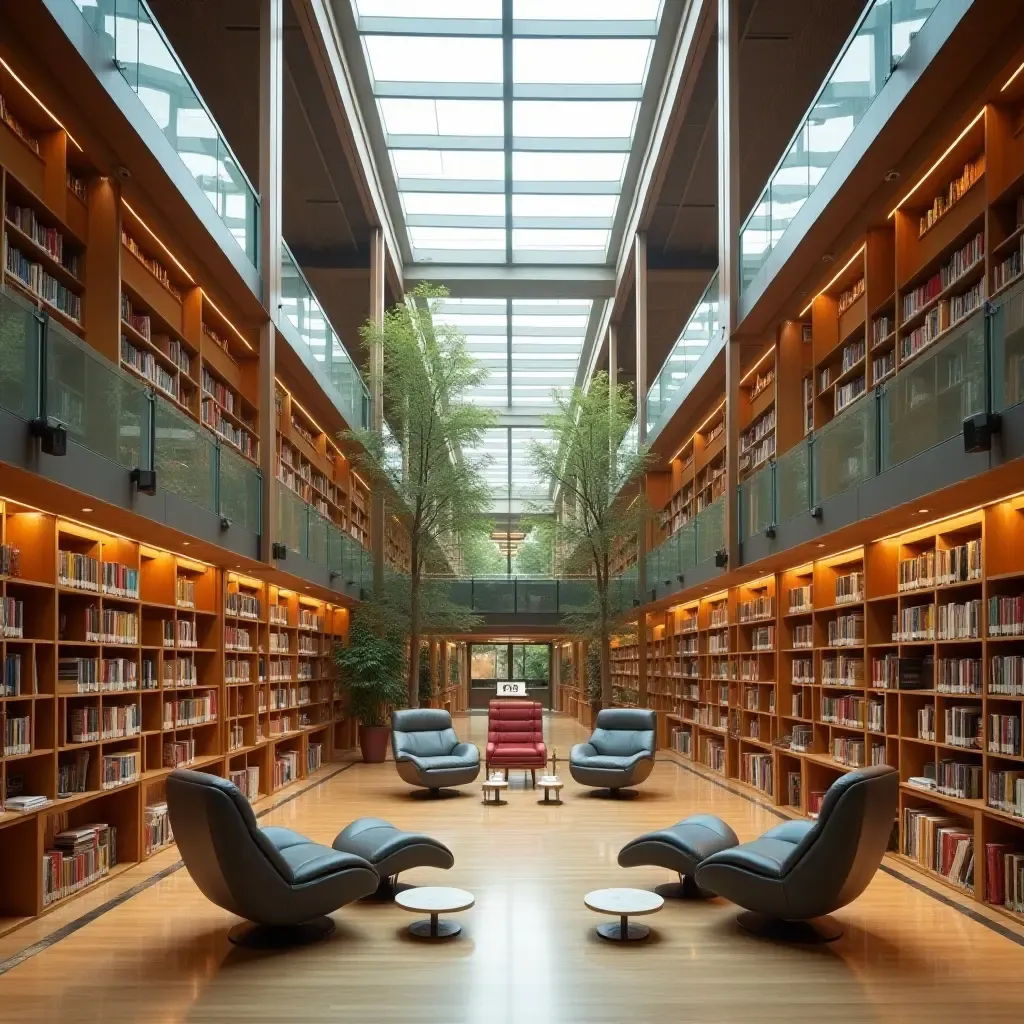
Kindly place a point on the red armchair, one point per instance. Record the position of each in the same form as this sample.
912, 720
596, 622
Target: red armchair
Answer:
515, 736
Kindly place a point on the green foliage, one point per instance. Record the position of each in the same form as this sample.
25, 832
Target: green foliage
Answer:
480, 555
536, 554
593, 673
438, 484
425, 693
600, 497
372, 667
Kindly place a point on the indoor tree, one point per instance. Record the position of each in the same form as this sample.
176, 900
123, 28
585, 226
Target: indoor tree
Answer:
440, 489
536, 554
600, 495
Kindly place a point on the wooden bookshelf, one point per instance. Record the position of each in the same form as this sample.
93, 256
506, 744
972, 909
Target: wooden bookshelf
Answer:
785, 683
119, 664
758, 416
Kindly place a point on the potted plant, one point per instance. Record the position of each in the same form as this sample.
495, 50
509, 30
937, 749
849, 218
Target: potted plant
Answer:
373, 673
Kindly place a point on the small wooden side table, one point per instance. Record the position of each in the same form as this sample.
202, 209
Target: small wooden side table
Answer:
494, 788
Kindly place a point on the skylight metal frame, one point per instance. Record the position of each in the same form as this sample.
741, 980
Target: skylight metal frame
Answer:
360, 32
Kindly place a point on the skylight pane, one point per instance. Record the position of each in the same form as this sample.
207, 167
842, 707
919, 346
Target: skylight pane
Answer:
434, 59
448, 204
452, 165
457, 238
563, 206
577, 61
568, 166
442, 117
593, 119
579, 10
437, 8
552, 320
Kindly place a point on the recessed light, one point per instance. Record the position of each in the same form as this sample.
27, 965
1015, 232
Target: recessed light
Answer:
86, 509
185, 543
923, 510
821, 545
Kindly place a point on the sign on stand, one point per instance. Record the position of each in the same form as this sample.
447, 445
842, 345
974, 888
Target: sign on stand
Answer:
511, 688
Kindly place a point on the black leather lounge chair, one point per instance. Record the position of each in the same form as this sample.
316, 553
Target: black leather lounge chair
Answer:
802, 870
279, 880
427, 751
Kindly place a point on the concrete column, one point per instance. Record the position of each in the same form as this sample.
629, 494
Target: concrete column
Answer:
270, 158
728, 253
378, 264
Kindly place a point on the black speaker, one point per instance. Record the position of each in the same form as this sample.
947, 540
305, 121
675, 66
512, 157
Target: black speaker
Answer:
144, 480
770, 532
721, 558
279, 551
979, 431
53, 435
816, 512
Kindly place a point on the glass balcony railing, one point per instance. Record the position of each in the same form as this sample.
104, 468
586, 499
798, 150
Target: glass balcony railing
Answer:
878, 43
710, 530
138, 47
700, 330
844, 453
792, 483
47, 371
304, 312
1007, 349
757, 503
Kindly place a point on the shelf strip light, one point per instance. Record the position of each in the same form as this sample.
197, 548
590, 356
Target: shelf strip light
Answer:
158, 240
220, 313
754, 368
949, 149
849, 264
42, 105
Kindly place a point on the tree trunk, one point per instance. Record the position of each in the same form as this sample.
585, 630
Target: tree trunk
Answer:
414, 639
604, 640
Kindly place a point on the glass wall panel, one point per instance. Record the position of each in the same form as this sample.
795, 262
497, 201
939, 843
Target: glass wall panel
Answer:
186, 457
844, 451
19, 356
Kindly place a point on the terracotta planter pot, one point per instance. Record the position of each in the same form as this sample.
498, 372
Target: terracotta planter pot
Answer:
373, 742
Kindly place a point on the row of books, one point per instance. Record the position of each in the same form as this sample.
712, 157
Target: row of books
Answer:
111, 626
803, 636
762, 638
801, 599
1006, 677
10, 560
940, 843
309, 619
180, 673
803, 671
184, 592
279, 643
12, 618
236, 736
712, 753
848, 711
158, 828
1006, 616
220, 393
309, 647
1004, 734
286, 767
947, 313
765, 425
917, 572
278, 615
36, 279
1009, 268
959, 264
958, 675
757, 770
849, 750
91, 724
883, 365
846, 630
47, 238
247, 780
958, 564
955, 778
234, 435
82, 572
17, 127
242, 606
236, 670
191, 710
914, 623
960, 621
17, 735
849, 588
842, 670
1004, 876
963, 726
80, 856
153, 265
942, 203
848, 393
138, 322
850, 296
146, 365
314, 757
120, 769
178, 753
1006, 792
13, 682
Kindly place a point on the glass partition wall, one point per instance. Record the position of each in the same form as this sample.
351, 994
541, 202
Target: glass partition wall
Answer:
491, 663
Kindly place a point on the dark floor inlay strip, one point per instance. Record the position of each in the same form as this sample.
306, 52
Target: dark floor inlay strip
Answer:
974, 915
146, 883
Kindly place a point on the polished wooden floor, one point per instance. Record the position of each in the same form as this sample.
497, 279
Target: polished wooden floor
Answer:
528, 952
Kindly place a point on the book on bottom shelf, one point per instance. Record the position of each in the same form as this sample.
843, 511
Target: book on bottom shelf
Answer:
80, 856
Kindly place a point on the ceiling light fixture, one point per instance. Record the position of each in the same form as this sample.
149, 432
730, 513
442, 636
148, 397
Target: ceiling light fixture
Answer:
86, 509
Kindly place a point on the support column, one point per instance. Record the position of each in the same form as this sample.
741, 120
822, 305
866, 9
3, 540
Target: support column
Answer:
378, 261
270, 159
640, 268
728, 255
613, 383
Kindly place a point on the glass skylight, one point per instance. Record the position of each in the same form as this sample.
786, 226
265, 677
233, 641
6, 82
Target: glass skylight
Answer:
547, 133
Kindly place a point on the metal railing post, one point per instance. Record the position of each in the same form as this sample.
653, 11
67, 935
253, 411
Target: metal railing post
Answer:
42, 319
216, 478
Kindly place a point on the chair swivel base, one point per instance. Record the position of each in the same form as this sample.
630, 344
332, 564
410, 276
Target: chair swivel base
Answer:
614, 794
817, 930
685, 889
388, 889
272, 936
623, 930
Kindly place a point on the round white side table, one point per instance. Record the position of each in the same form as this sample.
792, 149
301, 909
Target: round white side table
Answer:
435, 900
624, 903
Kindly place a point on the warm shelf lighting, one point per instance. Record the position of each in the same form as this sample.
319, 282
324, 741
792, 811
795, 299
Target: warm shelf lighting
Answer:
41, 104
756, 366
220, 313
158, 240
949, 149
709, 419
1010, 80
86, 509
191, 566
849, 264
